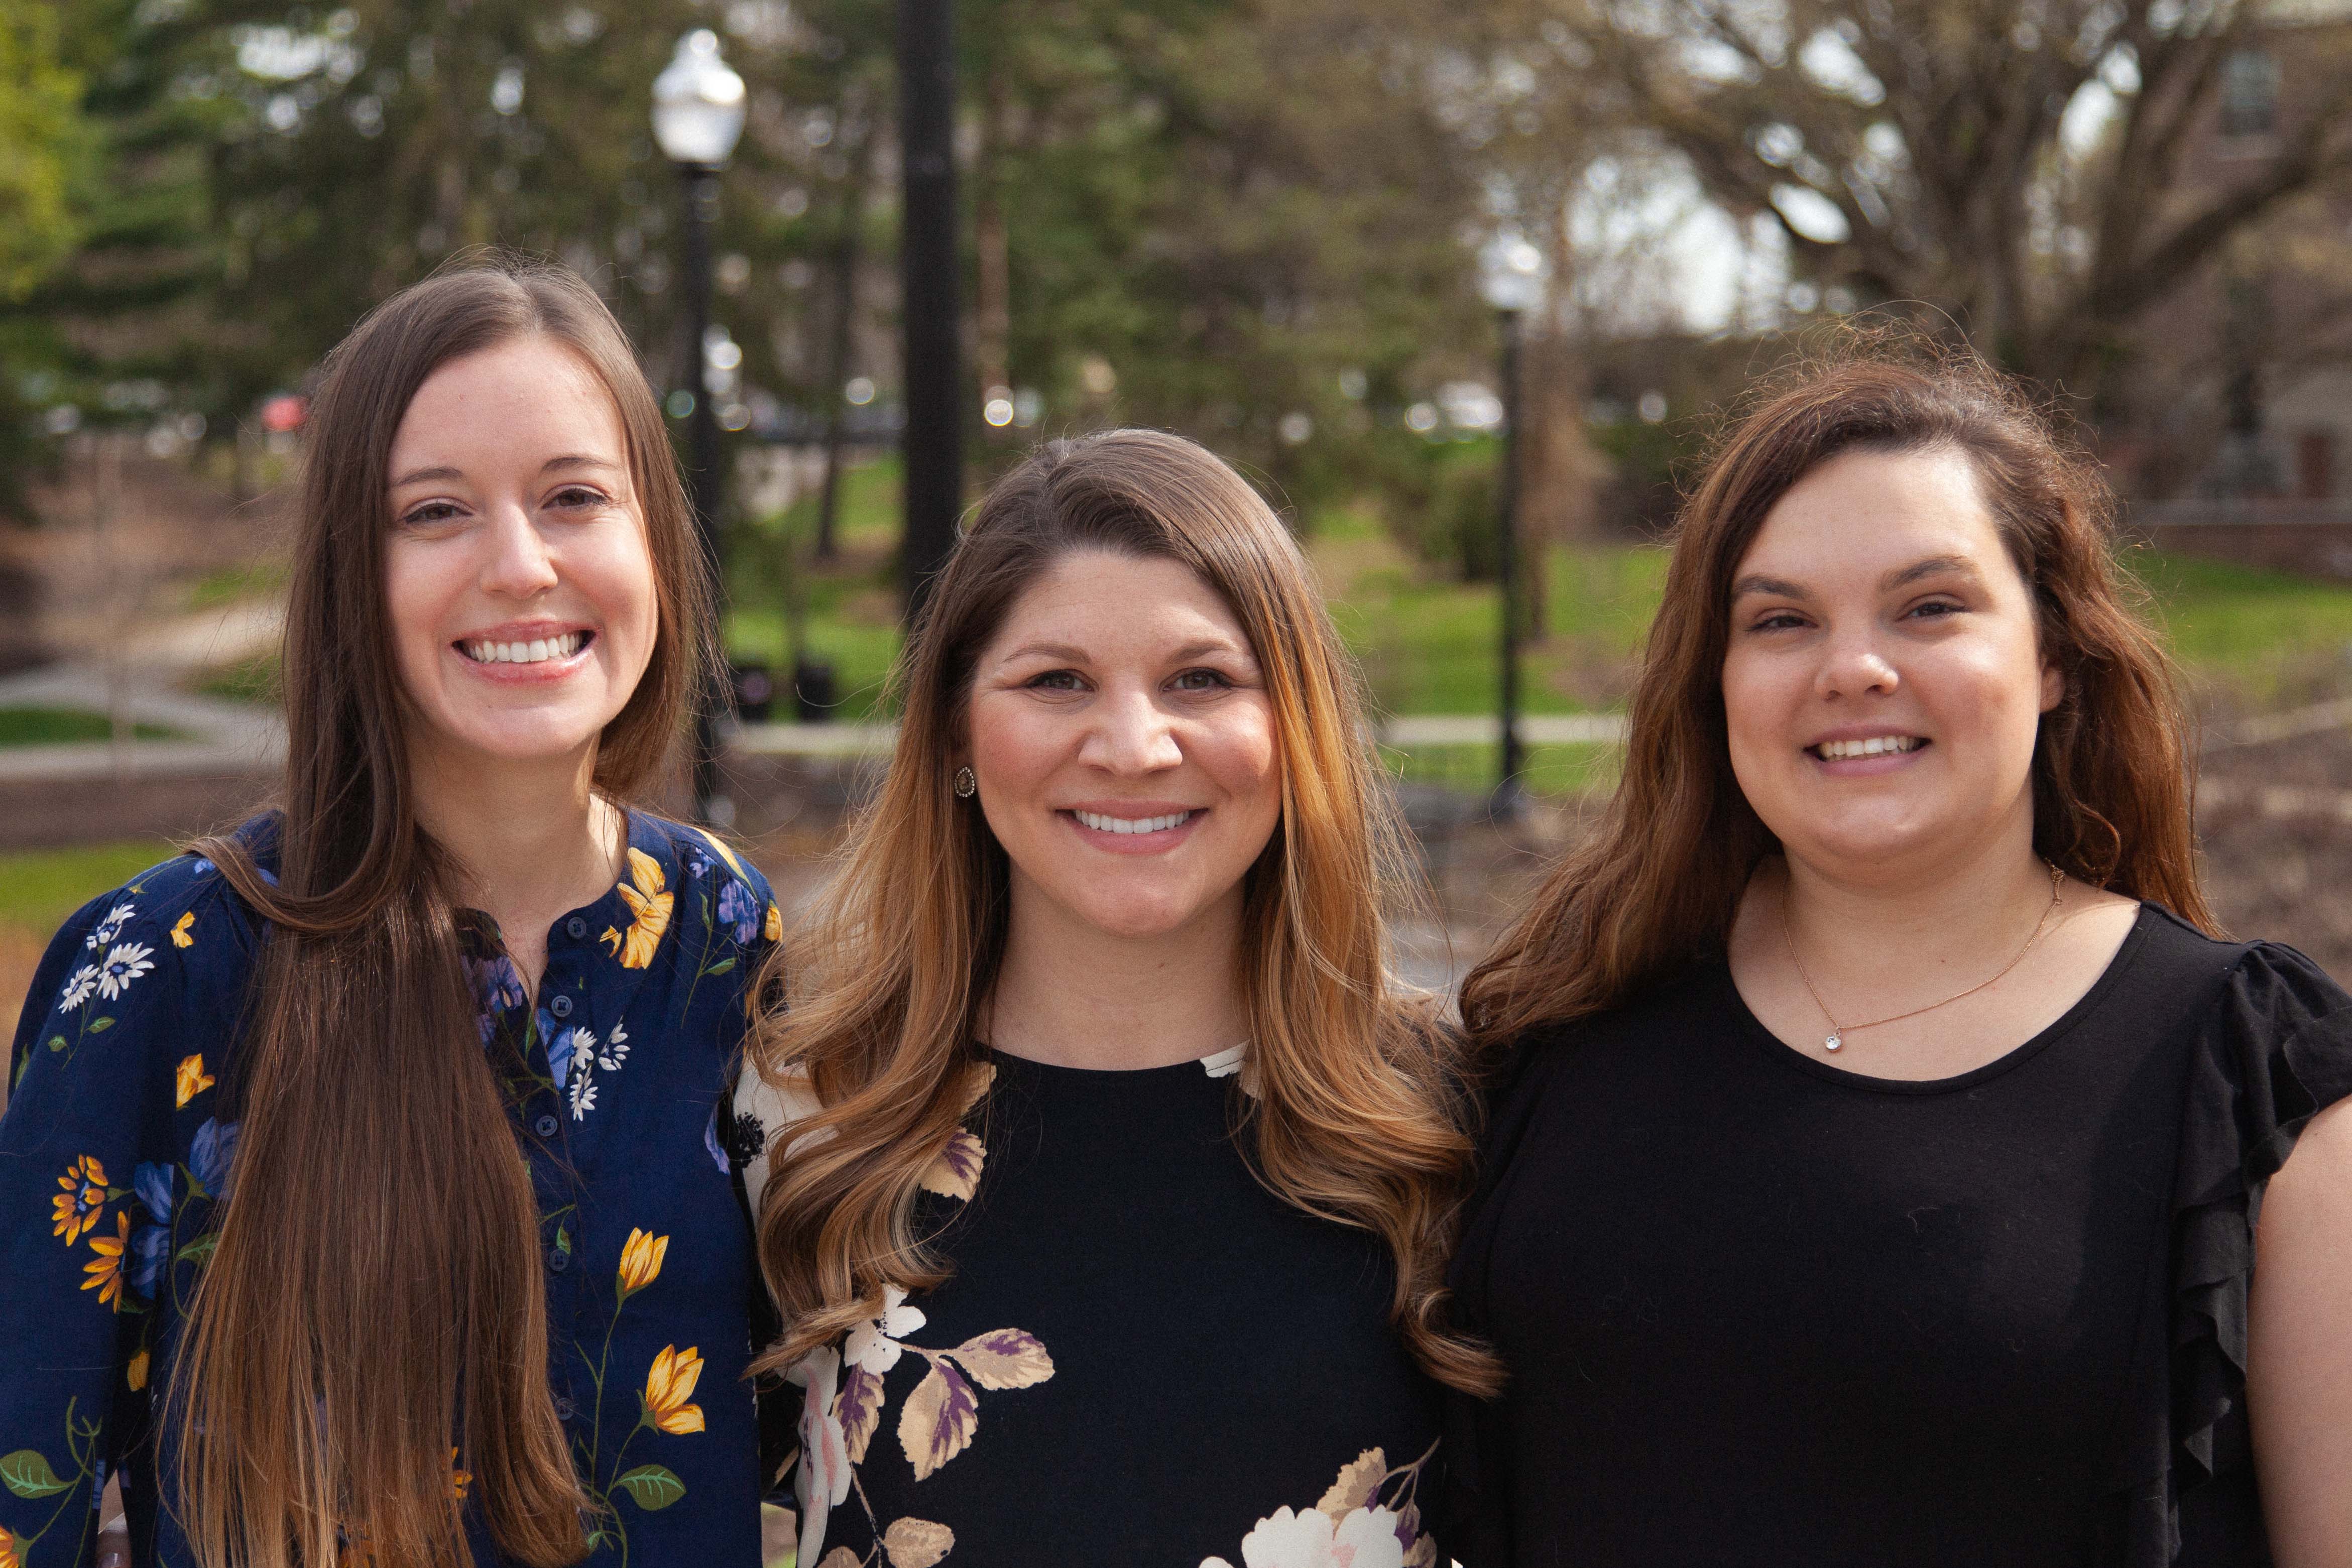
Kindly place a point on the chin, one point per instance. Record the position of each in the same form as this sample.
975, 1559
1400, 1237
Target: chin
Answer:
1139, 921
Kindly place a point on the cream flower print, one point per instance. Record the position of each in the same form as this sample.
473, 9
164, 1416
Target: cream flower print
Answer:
125, 963
587, 1059
1352, 1527
79, 989
822, 1482
873, 1346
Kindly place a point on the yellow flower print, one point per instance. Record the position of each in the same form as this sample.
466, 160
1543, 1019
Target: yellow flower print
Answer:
651, 905
135, 1375
75, 1209
458, 1480
669, 1386
8, 1558
180, 937
775, 931
192, 1079
105, 1270
641, 1261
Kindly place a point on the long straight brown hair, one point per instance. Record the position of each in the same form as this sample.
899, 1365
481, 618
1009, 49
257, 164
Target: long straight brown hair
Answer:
1658, 881
1353, 1111
375, 1298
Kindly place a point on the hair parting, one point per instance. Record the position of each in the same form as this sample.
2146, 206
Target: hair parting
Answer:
374, 1307
1355, 1110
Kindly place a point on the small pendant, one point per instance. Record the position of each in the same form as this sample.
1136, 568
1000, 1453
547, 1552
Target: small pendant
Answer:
1833, 1042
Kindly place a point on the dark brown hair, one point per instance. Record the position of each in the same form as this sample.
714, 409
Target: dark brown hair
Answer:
1659, 879
1353, 1111
375, 1300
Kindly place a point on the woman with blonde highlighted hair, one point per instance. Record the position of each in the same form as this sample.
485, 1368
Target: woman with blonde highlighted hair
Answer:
1106, 1171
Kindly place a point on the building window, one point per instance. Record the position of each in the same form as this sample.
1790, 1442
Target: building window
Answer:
2250, 83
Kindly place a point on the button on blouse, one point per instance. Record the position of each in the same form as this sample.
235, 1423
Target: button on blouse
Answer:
112, 1158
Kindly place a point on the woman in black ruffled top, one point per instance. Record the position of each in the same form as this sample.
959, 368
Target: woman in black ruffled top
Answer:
1883, 1125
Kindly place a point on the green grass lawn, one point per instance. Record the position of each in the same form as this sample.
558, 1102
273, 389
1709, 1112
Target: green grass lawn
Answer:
2260, 632
39, 888
60, 726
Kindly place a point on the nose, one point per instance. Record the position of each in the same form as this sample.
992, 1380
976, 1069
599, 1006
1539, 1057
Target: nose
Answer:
1853, 666
517, 563
1131, 734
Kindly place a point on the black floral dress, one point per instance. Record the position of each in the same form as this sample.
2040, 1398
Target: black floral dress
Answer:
1143, 1356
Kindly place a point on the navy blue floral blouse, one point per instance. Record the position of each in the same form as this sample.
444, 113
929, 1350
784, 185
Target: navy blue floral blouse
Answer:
112, 1160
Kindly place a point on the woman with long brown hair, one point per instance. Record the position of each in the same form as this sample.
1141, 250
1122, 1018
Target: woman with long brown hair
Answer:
1887, 1121
366, 1201
1106, 1172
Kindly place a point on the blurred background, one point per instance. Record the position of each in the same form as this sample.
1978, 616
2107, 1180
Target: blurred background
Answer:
1462, 287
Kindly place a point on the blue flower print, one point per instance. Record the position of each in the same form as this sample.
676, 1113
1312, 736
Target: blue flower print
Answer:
739, 909
696, 862
497, 988
710, 1145
153, 1182
149, 1246
209, 1157
561, 1047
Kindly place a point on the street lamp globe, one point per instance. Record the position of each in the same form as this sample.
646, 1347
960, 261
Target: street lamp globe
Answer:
1511, 273
697, 104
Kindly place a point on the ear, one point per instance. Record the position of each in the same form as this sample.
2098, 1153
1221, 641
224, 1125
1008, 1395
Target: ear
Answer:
2053, 685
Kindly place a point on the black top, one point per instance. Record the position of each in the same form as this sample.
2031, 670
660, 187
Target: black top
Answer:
1143, 1356
1761, 1309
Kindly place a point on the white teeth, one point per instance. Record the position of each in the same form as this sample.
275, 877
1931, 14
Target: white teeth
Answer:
1102, 824
1876, 745
532, 653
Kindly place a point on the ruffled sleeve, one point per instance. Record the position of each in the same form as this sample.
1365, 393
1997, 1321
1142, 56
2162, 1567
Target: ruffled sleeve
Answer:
2276, 1050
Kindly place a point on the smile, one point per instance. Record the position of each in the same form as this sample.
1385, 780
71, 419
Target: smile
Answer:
1876, 745
1103, 824
537, 650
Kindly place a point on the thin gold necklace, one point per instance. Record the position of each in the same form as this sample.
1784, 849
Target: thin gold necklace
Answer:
1838, 1031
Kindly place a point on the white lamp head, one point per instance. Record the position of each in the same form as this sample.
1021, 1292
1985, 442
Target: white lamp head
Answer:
698, 103
1511, 272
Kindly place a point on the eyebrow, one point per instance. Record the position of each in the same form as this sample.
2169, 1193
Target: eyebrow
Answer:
1902, 577
570, 460
1079, 655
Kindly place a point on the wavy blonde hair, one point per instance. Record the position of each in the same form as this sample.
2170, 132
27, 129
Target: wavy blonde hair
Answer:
1356, 1113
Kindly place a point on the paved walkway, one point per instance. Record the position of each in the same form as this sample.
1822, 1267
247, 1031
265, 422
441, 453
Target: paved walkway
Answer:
221, 736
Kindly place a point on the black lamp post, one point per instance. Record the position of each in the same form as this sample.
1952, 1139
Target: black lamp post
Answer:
697, 115
933, 443
1510, 279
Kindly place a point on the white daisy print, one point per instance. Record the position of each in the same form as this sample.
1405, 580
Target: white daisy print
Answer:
616, 1049
111, 928
79, 989
123, 965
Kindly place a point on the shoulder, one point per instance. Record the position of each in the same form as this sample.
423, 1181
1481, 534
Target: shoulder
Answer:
695, 859
156, 968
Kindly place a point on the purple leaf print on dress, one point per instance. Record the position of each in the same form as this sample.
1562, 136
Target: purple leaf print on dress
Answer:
956, 1173
939, 1420
1005, 1358
860, 1411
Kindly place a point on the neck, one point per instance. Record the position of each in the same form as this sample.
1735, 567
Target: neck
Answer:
1848, 918
1073, 995
532, 838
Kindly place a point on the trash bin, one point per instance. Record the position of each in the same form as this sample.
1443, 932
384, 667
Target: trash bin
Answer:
755, 691
813, 696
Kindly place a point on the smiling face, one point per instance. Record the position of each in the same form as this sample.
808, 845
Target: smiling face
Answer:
1124, 748
1882, 681
520, 590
